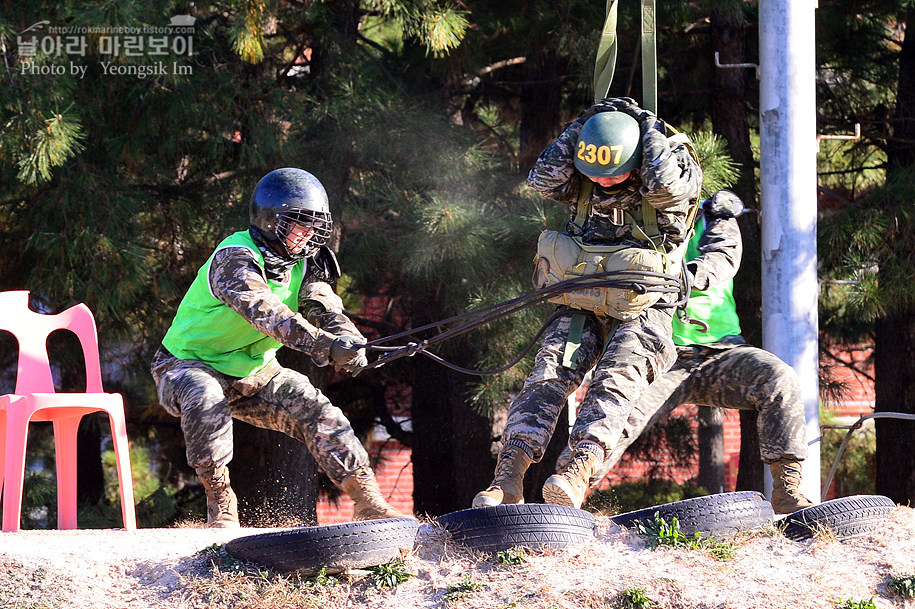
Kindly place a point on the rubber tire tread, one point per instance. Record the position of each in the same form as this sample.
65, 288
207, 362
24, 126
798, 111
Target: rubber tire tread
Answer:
535, 526
350, 545
722, 515
845, 517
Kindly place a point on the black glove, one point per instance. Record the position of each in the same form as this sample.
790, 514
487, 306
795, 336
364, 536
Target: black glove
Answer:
608, 104
628, 106
723, 204
348, 353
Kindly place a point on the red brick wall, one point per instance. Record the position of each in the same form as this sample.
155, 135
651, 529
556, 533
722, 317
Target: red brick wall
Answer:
394, 472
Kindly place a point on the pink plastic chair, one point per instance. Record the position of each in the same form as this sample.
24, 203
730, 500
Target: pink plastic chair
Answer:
35, 400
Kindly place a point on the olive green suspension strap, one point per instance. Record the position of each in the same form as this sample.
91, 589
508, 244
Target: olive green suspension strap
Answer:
573, 340
577, 322
649, 102
605, 64
649, 58
583, 205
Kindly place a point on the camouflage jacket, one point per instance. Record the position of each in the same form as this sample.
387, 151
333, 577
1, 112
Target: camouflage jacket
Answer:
237, 279
669, 179
720, 249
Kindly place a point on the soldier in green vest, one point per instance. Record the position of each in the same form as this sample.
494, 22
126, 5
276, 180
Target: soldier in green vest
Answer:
263, 288
718, 368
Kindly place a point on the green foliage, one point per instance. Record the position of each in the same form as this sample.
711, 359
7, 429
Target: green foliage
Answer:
219, 559
463, 589
512, 556
635, 598
323, 580
661, 533
852, 604
438, 26
719, 170
39, 500
247, 31
856, 471
902, 586
390, 575
50, 146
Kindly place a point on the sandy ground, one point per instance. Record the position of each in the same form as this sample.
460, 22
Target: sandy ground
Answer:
148, 568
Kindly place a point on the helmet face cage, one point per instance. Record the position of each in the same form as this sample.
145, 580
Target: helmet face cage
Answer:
319, 221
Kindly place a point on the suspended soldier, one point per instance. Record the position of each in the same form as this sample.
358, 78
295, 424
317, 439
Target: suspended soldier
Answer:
263, 288
716, 367
615, 159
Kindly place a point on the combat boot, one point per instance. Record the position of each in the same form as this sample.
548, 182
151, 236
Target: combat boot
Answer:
786, 492
569, 486
222, 505
507, 485
368, 502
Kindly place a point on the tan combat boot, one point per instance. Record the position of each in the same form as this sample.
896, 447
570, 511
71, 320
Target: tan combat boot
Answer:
786, 482
569, 486
369, 503
222, 505
508, 484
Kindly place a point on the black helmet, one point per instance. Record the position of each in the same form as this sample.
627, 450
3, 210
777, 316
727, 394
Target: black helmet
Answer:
290, 196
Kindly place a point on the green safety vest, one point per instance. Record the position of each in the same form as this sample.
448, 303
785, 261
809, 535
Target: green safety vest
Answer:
207, 330
715, 306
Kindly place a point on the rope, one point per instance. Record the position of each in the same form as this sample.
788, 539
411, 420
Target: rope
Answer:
639, 281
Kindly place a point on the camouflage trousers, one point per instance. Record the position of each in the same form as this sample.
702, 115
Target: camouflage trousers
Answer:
638, 352
736, 376
276, 398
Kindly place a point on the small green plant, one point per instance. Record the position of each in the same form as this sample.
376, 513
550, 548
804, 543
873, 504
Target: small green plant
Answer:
462, 589
219, 559
635, 598
389, 575
322, 580
850, 604
902, 586
511, 556
661, 533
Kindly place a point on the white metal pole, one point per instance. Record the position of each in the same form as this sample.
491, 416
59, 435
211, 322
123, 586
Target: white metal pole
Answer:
788, 148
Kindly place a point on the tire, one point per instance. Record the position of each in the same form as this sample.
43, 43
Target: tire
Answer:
535, 526
844, 517
721, 516
337, 547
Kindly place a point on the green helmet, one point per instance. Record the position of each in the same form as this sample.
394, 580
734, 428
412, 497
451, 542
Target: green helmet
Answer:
609, 144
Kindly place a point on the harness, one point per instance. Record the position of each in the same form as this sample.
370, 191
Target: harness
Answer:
655, 268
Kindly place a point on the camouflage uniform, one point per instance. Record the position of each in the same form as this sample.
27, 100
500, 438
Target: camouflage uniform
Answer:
727, 374
275, 397
639, 350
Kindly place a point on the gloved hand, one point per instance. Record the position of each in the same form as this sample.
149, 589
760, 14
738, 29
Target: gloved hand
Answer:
605, 105
348, 353
723, 204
